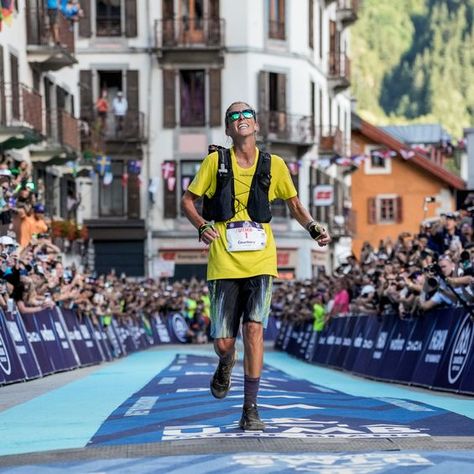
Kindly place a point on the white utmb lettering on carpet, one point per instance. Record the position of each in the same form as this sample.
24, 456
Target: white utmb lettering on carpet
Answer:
141, 407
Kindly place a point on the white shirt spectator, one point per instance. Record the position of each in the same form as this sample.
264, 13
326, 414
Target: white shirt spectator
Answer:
119, 105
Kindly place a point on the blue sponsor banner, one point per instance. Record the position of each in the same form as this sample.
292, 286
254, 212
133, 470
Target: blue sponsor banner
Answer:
458, 353
414, 346
76, 336
467, 382
392, 342
37, 341
24, 349
347, 339
160, 329
281, 334
438, 341
116, 347
357, 341
295, 339
89, 339
177, 405
177, 328
272, 330
321, 349
334, 340
371, 331
68, 355
100, 337
11, 369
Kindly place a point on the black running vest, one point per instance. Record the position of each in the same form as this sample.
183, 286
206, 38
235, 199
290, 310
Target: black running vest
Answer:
221, 206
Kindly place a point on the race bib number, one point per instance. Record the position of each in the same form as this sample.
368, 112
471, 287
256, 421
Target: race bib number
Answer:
245, 235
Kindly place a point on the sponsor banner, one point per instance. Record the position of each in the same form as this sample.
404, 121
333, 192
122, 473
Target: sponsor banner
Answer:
304, 338
176, 405
281, 334
24, 349
320, 352
77, 336
415, 345
160, 329
11, 369
100, 338
347, 339
115, 345
177, 328
286, 339
272, 330
357, 342
467, 382
438, 342
458, 354
371, 331
43, 340
68, 352
390, 347
334, 340
295, 338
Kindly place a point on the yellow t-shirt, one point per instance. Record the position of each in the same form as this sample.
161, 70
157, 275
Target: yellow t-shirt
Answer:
222, 263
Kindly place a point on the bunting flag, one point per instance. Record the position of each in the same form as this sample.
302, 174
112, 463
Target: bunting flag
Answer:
185, 183
103, 164
406, 154
125, 180
383, 153
153, 188
168, 169
293, 166
134, 167
108, 178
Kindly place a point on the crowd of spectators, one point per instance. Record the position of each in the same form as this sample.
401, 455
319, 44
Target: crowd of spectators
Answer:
406, 277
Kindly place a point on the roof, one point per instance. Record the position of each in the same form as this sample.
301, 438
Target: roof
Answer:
377, 135
418, 134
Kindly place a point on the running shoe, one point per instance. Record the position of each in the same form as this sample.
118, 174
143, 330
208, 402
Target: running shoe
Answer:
250, 420
221, 381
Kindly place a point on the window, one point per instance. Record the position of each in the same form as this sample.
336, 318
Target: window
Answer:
109, 17
385, 209
276, 19
378, 163
192, 98
113, 196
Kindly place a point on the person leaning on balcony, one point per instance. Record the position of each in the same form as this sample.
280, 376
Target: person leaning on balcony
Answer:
119, 108
238, 186
53, 11
102, 108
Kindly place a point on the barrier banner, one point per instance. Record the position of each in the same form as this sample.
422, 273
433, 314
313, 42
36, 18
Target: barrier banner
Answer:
305, 335
295, 336
160, 330
288, 333
177, 328
89, 339
371, 331
431, 357
281, 334
458, 353
23, 347
272, 330
116, 346
312, 344
123, 336
43, 343
415, 345
100, 338
334, 340
11, 369
467, 378
320, 352
357, 340
68, 353
347, 337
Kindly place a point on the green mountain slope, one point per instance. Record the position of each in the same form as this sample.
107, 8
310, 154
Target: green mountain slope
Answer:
414, 61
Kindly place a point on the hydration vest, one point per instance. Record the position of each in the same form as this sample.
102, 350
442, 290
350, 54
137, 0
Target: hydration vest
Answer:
221, 206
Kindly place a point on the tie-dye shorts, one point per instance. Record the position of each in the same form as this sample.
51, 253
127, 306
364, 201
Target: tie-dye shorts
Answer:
233, 300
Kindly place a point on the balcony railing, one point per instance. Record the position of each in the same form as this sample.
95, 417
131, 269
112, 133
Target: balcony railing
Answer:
331, 141
97, 132
68, 128
38, 27
189, 33
20, 106
287, 128
347, 11
339, 71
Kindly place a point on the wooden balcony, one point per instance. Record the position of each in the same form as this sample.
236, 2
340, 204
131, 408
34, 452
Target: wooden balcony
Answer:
347, 11
331, 141
21, 116
339, 71
286, 128
189, 39
68, 130
41, 50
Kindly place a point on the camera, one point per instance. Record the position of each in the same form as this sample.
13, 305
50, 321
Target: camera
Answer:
435, 269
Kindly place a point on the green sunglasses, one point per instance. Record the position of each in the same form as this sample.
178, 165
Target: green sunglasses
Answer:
236, 114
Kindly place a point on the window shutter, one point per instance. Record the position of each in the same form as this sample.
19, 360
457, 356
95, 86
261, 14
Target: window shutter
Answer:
2, 89
85, 80
170, 191
263, 101
399, 210
371, 211
85, 29
133, 116
133, 196
215, 97
169, 97
130, 18
281, 86
311, 24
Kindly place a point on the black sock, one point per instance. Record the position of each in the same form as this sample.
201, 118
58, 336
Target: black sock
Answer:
250, 390
227, 359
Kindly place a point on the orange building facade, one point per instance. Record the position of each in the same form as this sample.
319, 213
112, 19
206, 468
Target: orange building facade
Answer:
391, 194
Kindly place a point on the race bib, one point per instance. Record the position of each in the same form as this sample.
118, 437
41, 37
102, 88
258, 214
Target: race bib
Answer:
245, 235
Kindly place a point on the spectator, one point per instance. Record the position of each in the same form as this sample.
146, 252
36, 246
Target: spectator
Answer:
72, 10
448, 236
53, 11
119, 108
102, 108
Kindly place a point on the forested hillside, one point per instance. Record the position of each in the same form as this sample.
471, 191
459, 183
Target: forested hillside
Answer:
413, 60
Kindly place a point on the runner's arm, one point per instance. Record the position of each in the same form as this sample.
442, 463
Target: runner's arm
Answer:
189, 208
